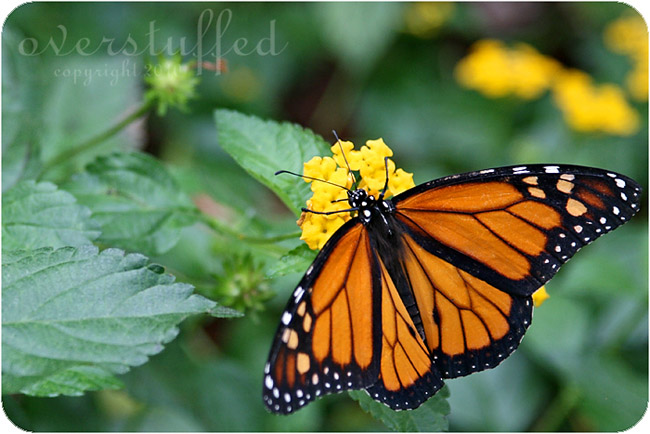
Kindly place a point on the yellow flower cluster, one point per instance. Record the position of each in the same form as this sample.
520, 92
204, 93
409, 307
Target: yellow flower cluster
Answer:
369, 163
629, 36
423, 19
588, 107
498, 71
540, 296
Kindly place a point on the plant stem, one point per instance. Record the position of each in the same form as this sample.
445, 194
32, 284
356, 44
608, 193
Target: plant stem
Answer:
99, 138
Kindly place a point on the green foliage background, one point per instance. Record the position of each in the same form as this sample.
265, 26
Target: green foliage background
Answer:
194, 191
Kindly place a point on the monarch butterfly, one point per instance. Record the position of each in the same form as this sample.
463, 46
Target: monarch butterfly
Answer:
436, 282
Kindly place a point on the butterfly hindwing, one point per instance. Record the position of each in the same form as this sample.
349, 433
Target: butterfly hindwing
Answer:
468, 324
513, 227
407, 377
329, 336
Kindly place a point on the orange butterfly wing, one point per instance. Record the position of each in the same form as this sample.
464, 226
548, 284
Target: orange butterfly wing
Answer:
407, 377
328, 339
514, 227
479, 244
468, 324
439, 286
346, 327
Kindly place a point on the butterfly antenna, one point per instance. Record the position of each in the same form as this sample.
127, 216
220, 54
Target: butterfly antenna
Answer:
328, 212
312, 179
383, 191
354, 180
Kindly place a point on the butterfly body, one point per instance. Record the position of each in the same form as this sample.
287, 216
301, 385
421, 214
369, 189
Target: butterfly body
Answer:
435, 282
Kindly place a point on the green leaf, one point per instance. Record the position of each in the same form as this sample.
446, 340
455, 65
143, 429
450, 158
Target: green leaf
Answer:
218, 393
21, 111
295, 260
477, 408
560, 335
430, 416
135, 201
613, 395
40, 215
370, 25
72, 318
263, 147
224, 312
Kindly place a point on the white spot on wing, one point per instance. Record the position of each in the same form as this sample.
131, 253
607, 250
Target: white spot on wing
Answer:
286, 318
552, 169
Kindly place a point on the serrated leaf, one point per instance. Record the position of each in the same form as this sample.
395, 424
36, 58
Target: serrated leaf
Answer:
40, 215
225, 312
135, 201
262, 147
297, 259
74, 317
430, 416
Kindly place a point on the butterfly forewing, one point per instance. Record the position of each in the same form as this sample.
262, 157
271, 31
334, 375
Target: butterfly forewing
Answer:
513, 227
329, 336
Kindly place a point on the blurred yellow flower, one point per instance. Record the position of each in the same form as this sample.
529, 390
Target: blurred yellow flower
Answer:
594, 108
629, 36
423, 19
540, 296
368, 163
498, 71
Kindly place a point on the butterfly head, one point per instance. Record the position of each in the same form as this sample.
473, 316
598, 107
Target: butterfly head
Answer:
358, 198
367, 205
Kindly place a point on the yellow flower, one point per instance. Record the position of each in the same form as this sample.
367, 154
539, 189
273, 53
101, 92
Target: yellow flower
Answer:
540, 296
368, 163
423, 19
532, 72
637, 81
594, 108
498, 71
629, 36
